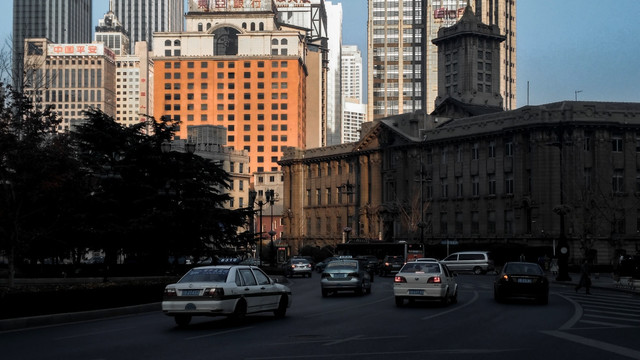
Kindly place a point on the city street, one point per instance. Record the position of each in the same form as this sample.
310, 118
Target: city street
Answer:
604, 325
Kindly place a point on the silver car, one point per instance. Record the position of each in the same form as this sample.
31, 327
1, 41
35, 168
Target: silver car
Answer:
478, 262
224, 290
345, 275
425, 280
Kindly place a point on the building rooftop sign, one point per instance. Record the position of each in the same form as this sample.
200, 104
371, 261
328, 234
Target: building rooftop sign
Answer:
80, 50
230, 5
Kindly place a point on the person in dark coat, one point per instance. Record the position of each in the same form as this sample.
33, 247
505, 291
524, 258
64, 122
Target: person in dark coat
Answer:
585, 277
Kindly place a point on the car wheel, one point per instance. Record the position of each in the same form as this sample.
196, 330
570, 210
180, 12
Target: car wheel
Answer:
399, 301
325, 293
368, 289
454, 298
240, 312
281, 311
309, 274
477, 270
182, 320
445, 299
361, 289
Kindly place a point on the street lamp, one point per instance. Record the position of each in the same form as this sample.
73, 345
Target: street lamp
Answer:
348, 190
271, 199
562, 210
252, 200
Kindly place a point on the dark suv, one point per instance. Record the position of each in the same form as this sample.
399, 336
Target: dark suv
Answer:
391, 264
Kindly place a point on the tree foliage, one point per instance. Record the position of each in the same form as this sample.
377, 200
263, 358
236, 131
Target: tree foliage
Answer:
105, 187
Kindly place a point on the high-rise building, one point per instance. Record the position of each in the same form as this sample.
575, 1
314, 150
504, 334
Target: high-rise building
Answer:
70, 79
334, 74
354, 113
60, 21
235, 66
312, 17
351, 72
141, 18
112, 34
403, 62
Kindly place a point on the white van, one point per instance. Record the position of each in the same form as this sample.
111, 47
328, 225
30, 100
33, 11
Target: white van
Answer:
479, 262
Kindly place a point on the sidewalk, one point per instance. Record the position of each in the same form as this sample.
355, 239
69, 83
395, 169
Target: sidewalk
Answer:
605, 281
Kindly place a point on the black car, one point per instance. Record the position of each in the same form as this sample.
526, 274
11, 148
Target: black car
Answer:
391, 265
521, 280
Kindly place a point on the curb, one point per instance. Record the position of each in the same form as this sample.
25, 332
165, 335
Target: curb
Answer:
54, 319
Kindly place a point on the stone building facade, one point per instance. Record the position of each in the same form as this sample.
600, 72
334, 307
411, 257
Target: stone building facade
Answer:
507, 181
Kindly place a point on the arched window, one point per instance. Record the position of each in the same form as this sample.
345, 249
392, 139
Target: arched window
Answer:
176, 43
261, 26
200, 27
167, 43
244, 25
225, 41
284, 42
253, 26
208, 26
274, 42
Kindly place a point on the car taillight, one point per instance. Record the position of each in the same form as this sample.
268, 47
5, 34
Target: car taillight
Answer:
434, 280
505, 277
399, 279
170, 292
216, 293
386, 264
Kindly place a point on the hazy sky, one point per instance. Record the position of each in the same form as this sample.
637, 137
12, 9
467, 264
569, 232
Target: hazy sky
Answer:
563, 46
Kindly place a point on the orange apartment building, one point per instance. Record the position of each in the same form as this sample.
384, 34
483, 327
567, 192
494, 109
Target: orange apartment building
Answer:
235, 66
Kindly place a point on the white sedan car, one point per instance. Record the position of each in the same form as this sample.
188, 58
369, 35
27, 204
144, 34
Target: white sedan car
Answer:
425, 280
224, 290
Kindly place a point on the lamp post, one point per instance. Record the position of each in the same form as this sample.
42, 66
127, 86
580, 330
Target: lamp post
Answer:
271, 199
260, 205
348, 191
562, 210
252, 200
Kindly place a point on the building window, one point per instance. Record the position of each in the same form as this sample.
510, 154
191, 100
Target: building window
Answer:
459, 222
491, 222
443, 223
318, 197
475, 186
508, 184
492, 149
459, 189
508, 147
618, 181
475, 151
616, 142
444, 188
491, 186
475, 223
508, 222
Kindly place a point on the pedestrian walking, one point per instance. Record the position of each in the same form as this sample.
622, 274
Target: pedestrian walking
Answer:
554, 266
585, 277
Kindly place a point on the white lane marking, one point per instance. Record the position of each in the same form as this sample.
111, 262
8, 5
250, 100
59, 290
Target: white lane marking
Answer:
93, 333
357, 337
577, 314
392, 354
475, 297
219, 333
620, 350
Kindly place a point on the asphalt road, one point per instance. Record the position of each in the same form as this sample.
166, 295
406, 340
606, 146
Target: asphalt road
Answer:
604, 325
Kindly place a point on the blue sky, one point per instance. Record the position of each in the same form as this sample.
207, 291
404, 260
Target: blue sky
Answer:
562, 47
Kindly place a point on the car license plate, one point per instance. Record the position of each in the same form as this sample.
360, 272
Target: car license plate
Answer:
525, 281
190, 292
341, 275
416, 292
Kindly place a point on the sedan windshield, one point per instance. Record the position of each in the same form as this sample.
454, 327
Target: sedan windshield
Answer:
342, 265
205, 275
521, 268
421, 268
